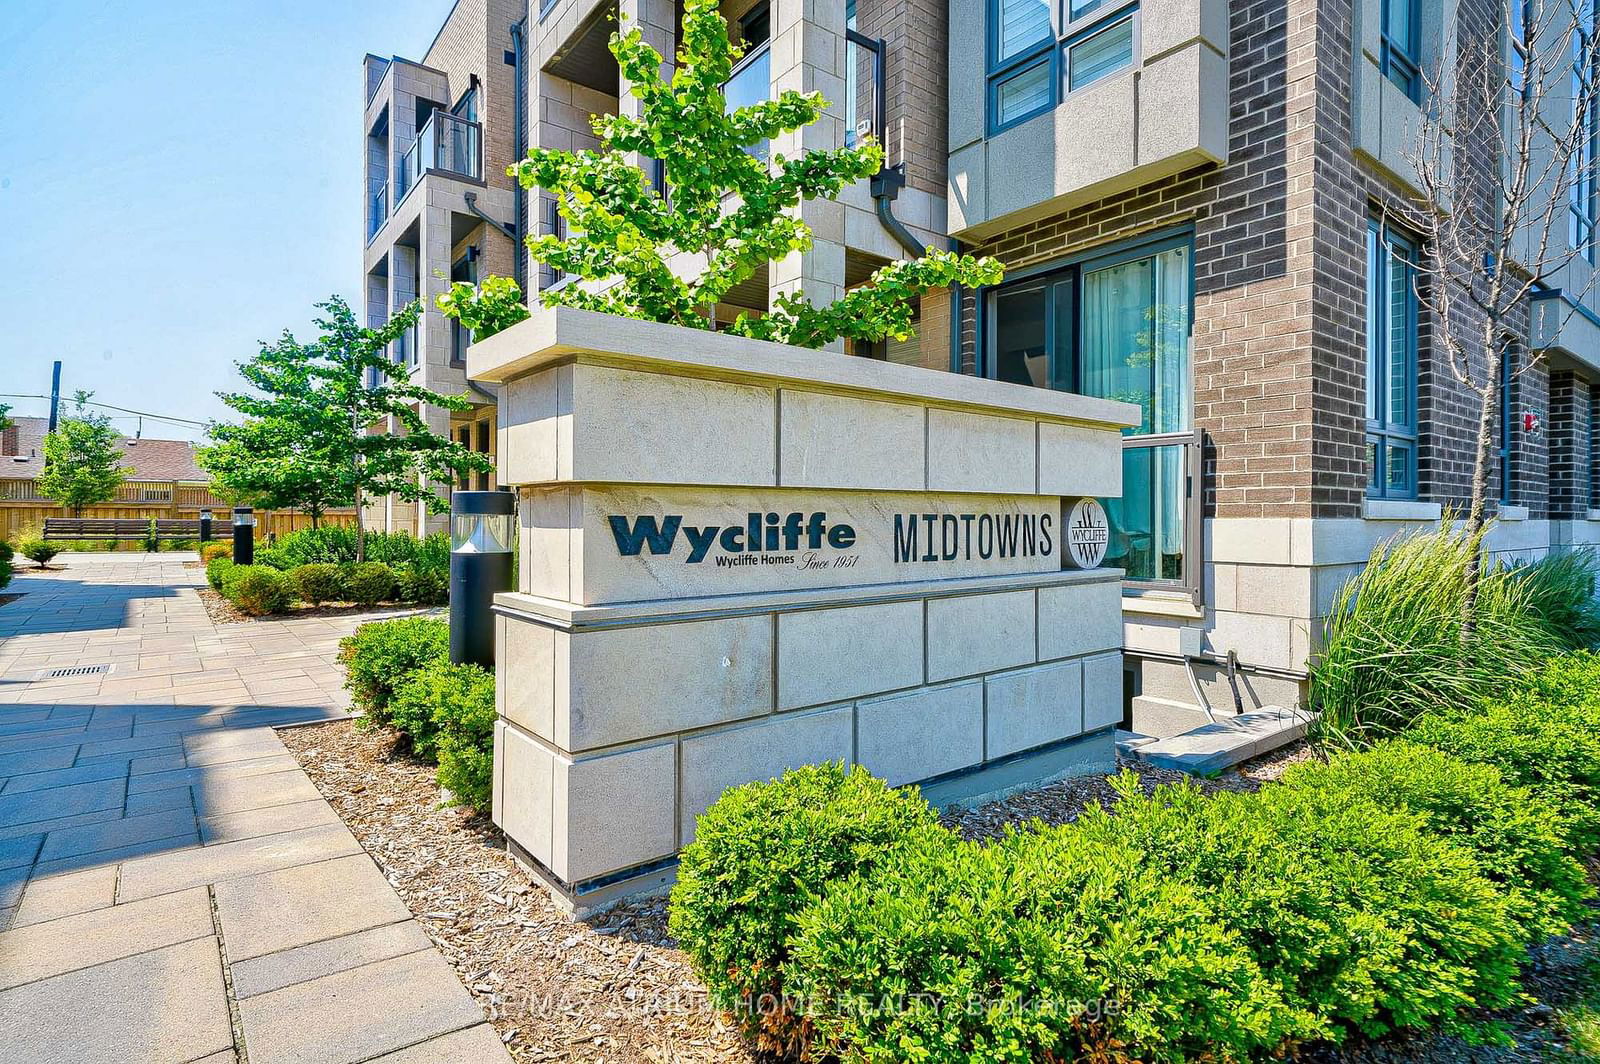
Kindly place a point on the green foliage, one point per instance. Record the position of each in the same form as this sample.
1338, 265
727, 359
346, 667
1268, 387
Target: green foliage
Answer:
303, 441
465, 717
217, 570
486, 308
380, 656
1550, 748
257, 589
7, 551
625, 234
274, 558
1396, 645
317, 583
423, 585
208, 551
38, 551
1516, 836
1046, 946
82, 460
760, 855
5, 571
369, 582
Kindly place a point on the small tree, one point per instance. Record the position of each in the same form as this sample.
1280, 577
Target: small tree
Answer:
725, 209
312, 420
82, 459
1502, 152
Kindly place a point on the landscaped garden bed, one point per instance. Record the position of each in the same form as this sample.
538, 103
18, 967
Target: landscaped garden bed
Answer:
315, 572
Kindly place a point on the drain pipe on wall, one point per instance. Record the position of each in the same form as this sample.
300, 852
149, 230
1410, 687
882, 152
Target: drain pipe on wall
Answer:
519, 257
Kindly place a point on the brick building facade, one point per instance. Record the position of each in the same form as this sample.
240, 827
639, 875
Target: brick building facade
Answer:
1196, 204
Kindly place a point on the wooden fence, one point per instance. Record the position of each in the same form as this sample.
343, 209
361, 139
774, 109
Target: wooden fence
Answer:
23, 508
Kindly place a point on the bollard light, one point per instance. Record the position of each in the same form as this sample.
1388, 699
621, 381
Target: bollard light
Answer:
481, 529
244, 536
205, 524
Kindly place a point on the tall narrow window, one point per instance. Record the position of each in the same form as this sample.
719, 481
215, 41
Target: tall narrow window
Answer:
1117, 327
1391, 364
1402, 31
1581, 192
1504, 436
1520, 31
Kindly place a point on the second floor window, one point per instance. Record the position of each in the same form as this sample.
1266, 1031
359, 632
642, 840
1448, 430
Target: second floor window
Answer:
1583, 202
1031, 67
1391, 364
1402, 31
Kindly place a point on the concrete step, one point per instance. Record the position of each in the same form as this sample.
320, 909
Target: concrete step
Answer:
1166, 717
1213, 748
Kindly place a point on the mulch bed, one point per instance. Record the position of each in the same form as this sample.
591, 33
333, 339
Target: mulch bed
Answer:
614, 988
221, 611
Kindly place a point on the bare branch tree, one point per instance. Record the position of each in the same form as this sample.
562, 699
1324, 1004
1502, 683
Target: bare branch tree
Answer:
1504, 163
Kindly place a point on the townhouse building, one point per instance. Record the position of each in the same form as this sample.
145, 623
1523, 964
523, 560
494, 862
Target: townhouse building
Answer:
1190, 199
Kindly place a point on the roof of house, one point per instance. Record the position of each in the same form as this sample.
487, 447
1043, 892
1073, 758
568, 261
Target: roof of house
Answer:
22, 450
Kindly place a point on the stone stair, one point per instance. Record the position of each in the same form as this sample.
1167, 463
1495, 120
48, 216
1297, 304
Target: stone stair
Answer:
1214, 747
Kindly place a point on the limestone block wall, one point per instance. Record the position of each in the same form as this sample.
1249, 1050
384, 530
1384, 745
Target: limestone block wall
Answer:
740, 557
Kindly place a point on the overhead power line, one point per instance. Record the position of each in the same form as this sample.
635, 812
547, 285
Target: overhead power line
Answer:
123, 409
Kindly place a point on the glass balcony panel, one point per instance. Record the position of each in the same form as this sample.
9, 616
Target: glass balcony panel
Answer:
1147, 536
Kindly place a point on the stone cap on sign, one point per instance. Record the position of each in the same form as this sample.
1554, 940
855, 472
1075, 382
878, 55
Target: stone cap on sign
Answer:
553, 336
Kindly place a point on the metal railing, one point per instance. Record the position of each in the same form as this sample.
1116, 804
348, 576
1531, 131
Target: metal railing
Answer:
378, 210
445, 144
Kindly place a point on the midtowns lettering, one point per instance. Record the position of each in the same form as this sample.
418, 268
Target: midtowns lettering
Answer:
759, 533
946, 537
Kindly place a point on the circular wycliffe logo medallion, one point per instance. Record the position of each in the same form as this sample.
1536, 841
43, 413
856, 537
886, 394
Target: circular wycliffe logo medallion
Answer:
1088, 534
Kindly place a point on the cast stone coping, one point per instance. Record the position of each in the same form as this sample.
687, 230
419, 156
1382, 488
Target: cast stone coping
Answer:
555, 335
566, 615
1402, 510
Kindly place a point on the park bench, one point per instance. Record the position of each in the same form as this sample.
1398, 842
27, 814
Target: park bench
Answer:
138, 528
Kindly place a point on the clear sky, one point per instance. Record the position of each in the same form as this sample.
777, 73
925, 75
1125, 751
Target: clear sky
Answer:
179, 180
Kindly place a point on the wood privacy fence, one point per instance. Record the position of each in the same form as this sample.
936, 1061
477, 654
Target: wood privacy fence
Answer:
23, 508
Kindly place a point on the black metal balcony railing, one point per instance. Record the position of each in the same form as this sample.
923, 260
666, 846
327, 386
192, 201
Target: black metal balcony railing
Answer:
378, 210
445, 144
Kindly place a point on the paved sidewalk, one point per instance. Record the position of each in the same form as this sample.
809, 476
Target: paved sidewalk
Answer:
172, 887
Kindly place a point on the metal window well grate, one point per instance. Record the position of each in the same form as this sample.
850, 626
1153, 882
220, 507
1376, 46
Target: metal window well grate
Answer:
68, 671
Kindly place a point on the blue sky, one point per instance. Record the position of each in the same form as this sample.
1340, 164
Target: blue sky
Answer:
177, 182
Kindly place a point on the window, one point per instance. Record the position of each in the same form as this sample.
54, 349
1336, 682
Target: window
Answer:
751, 80
1505, 433
1519, 31
467, 106
852, 74
1031, 68
1402, 31
463, 269
1581, 193
1116, 325
1391, 364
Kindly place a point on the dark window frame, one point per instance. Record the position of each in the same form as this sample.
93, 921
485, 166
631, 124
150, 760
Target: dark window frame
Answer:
1050, 51
1506, 428
1068, 274
1402, 67
1583, 192
1381, 432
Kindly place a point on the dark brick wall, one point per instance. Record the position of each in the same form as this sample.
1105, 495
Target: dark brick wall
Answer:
1572, 485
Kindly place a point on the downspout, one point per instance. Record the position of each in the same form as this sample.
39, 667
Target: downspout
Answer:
471, 199
519, 257
957, 294
886, 183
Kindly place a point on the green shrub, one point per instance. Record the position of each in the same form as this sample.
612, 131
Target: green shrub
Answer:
330, 544
7, 551
317, 583
1551, 749
152, 542
257, 589
1395, 645
217, 570
38, 551
5, 572
210, 551
426, 587
760, 855
381, 655
1047, 946
369, 582
275, 558
448, 713
1517, 837
1364, 920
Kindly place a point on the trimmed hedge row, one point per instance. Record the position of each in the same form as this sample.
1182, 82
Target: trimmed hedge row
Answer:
262, 589
1398, 887
399, 673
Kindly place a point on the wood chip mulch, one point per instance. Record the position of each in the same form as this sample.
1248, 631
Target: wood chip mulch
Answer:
612, 988
220, 611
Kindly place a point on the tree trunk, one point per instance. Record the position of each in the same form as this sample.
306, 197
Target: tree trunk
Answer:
1478, 501
361, 543
316, 512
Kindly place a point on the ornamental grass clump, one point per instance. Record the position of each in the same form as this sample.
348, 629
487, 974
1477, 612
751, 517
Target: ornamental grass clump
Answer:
721, 205
1397, 642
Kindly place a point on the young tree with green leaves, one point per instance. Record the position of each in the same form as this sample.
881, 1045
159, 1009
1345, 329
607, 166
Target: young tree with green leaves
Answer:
82, 459
725, 208
306, 436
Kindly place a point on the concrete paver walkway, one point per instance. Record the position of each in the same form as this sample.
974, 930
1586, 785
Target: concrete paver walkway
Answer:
172, 887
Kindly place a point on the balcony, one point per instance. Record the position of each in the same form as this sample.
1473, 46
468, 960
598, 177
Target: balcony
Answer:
377, 211
446, 145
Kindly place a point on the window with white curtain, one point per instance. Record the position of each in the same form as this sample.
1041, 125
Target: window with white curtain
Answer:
1117, 325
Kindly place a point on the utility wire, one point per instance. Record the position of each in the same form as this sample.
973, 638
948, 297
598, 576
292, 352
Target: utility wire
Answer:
108, 406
